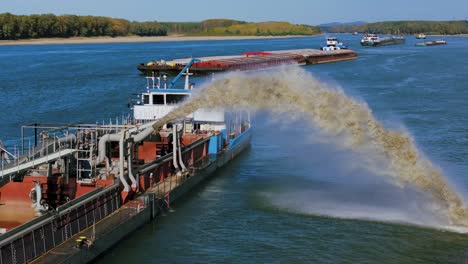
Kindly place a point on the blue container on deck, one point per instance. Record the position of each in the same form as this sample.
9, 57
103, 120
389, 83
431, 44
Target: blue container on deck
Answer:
216, 143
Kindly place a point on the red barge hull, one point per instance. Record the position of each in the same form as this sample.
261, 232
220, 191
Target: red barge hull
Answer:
82, 207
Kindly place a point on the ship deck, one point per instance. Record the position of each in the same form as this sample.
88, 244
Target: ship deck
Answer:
302, 52
67, 250
250, 61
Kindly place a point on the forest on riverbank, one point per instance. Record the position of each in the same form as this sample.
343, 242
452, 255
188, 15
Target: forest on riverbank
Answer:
404, 27
14, 27
51, 26
227, 27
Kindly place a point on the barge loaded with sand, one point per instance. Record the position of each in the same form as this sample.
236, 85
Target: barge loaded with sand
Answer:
247, 61
80, 188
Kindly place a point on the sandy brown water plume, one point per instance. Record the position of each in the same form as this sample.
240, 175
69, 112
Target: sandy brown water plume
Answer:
293, 90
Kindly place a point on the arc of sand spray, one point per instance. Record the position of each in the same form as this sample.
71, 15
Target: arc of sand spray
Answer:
293, 90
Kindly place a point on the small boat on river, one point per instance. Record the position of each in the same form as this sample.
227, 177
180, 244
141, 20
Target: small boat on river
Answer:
333, 44
421, 36
373, 40
431, 43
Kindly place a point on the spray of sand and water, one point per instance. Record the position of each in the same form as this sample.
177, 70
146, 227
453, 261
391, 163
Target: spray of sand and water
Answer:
293, 91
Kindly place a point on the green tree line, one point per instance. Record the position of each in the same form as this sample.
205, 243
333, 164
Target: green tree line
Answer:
227, 27
406, 27
199, 28
49, 25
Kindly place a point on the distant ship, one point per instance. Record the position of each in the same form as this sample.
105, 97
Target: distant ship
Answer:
333, 44
431, 43
355, 33
421, 36
373, 40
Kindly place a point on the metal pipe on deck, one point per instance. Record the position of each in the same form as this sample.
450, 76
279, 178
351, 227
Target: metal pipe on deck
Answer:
4, 153
121, 162
38, 192
130, 172
71, 138
174, 148
182, 165
129, 164
120, 137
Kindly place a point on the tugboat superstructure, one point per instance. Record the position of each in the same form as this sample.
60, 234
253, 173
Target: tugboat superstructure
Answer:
333, 44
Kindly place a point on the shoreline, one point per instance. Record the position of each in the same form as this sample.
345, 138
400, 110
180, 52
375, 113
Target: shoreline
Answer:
134, 39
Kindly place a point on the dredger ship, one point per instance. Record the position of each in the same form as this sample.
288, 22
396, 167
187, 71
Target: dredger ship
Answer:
83, 187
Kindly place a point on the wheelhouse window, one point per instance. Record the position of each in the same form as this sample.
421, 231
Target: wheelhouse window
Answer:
146, 99
158, 99
175, 98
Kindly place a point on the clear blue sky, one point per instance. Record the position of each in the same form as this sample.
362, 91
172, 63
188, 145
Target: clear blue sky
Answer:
311, 12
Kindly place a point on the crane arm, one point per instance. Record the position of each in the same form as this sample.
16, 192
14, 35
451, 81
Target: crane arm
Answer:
192, 61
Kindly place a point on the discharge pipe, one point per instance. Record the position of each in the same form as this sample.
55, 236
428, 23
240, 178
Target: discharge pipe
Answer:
130, 164
182, 165
116, 137
122, 161
120, 137
38, 190
71, 138
174, 149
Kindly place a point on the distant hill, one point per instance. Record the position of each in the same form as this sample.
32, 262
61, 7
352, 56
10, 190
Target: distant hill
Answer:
405, 27
226, 27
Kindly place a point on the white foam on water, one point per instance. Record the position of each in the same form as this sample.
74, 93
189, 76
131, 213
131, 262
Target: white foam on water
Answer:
388, 153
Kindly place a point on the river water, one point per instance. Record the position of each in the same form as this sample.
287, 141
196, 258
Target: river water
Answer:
293, 197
